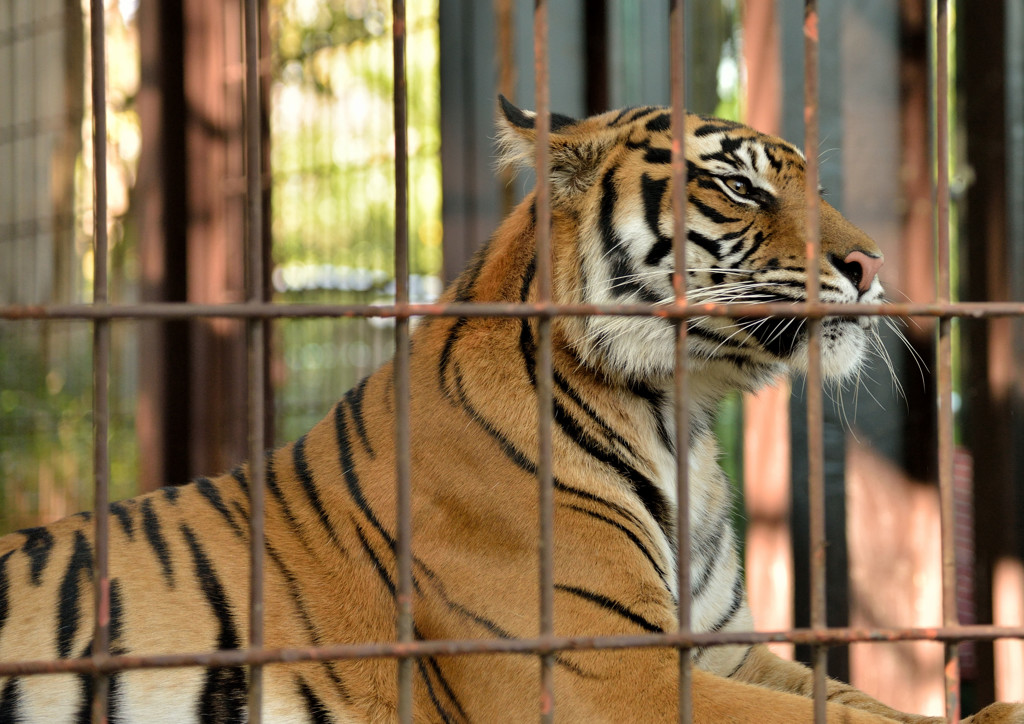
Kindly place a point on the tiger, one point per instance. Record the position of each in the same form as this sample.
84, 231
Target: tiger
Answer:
179, 570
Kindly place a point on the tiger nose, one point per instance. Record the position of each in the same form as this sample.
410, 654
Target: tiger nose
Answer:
859, 268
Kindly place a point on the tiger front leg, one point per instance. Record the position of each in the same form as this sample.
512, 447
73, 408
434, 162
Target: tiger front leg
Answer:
763, 668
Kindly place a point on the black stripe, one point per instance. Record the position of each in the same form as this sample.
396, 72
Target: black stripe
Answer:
655, 400
704, 242
526, 344
774, 162
4, 587
170, 493
224, 691
759, 239
385, 577
124, 518
621, 114
621, 272
68, 609
653, 191
382, 572
712, 213
239, 475
87, 682
430, 691
641, 485
156, 540
317, 710
708, 547
116, 626
662, 156
354, 397
275, 490
734, 607
709, 129
523, 462
575, 396
209, 491
610, 605
294, 590
432, 663
351, 479
37, 546
293, 523
662, 122
10, 701
309, 486
463, 292
739, 666
445, 360
641, 112
627, 532
737, 601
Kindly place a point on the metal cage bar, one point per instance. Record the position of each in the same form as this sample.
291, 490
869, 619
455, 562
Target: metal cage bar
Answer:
256, 334
101, 363
677, 30
403, 473
270, 310
544, 363
939, 30
815, 406
529, 647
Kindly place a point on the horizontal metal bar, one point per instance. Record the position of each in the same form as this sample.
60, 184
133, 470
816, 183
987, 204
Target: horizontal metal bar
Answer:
269, 310
540, 645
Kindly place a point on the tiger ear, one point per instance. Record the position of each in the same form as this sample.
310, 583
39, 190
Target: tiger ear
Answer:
574, 156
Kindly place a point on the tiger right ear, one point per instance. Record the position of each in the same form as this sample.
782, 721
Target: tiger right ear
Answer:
575, 156
517, 133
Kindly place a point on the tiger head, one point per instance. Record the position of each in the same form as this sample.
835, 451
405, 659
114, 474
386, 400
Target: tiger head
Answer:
612, 236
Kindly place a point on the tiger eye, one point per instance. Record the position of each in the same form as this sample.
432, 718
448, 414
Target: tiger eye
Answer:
738, 186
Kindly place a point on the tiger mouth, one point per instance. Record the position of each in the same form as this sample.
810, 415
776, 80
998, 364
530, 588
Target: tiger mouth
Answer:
783, 338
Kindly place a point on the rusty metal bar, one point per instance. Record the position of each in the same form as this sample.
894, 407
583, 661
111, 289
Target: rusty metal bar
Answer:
680, 201
533, 647
404, 589
268, 310
255, 330
944, 352
101, 363
815, 408
544, 366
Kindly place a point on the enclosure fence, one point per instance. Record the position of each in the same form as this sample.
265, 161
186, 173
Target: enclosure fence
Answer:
257, 315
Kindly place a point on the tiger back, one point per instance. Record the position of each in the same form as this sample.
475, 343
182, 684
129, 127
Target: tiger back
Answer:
179, 571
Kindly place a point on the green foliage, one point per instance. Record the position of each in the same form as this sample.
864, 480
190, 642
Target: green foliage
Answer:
46, 439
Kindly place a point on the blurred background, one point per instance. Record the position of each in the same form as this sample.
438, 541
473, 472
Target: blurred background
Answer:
177, 218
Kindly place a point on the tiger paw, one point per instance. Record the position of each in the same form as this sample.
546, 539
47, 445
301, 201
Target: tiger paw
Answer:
998, 713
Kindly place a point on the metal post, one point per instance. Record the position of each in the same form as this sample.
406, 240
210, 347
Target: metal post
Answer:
101, 363
255, 329
677, 23
545, 393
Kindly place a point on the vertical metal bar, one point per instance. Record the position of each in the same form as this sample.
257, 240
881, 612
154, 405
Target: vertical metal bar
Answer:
677, 31
940, 109
402, 436
545, 473
815, 411
255, 337
101, 361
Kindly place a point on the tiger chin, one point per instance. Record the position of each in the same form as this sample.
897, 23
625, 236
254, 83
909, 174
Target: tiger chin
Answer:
178, 556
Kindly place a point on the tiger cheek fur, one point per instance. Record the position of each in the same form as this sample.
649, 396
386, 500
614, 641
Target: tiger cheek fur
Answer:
179, 566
